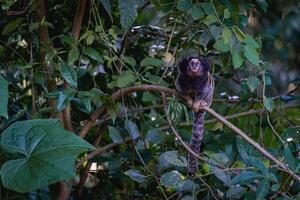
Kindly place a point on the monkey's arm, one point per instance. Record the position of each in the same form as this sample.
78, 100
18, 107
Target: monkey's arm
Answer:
204, 98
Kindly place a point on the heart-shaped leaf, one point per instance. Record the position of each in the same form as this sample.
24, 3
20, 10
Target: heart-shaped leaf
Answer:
44, 153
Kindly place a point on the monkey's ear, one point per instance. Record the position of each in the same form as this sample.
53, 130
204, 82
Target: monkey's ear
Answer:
183, 64
206, 63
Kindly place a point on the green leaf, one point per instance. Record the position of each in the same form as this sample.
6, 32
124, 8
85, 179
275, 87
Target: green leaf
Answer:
262, 189
65, 98
154, 135
254, 162
93, 54
184, 5
3, 96
221, 175
107, 6
135, 175
205, 37
115, 135
252, 83
197, 12
235, 192
226, 34
238, 33
130, 60
69, 74
208, 8
226, 13
251, 42
45, 153
251, 55
291, 161
171, 179
187, 186
151, 62
237, 59
268, 103
216, 31
12, 25
132, 129
262, 4
246, 177
221, 46
128, 12
73, 55
209, 20
172, 158
126, 78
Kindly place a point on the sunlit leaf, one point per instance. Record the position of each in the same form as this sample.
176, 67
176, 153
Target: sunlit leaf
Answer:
238, 33
151, 62
226, 34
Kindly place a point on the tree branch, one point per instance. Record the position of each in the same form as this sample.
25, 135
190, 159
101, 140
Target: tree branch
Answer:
252, 142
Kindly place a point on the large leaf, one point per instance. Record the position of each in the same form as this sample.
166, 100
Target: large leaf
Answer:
115, 135
135, 175
151, 62
132, 129
3, 96
93, 54
172, 158
246, 177
252, 83
251, 55
128, 12
237, 59
197, 12
44, 153
171, 179
69, 74
126, 78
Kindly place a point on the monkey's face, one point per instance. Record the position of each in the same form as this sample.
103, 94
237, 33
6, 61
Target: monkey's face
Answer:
195, 67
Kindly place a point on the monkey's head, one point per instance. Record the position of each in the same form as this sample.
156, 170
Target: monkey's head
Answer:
195, 66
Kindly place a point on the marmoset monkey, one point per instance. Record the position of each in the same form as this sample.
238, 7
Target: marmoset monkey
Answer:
196, 84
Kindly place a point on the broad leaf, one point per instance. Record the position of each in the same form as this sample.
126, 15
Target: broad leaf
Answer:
251, 55
64, 98
115, 135
107, 6
135, 175
93, 54
171, 179
73, 55
132, 129
3, 96
239, 34
221, 46
44, 153
268, 103
237, 59
172, 158
69, 74
151, 62
226, 34
262, 189
184, 5
246, 177
197, 12
252, 82
154, 135
128, 12
126, 78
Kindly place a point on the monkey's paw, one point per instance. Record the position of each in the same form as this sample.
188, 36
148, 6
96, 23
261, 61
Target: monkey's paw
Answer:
199, 105
190, 102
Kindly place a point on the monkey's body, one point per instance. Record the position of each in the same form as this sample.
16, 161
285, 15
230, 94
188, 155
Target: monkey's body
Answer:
197, 86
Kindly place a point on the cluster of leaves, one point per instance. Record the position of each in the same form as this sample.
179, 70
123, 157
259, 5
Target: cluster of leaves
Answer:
133, 42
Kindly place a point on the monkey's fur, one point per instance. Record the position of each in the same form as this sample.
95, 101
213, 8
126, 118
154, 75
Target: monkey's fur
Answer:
196, 84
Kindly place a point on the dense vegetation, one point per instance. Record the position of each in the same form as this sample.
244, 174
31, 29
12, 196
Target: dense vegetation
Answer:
88, 108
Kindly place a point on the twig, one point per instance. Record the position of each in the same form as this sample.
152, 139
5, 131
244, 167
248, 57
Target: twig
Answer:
252, 142
99, 151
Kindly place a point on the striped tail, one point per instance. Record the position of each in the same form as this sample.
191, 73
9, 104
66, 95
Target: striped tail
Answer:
197, 135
